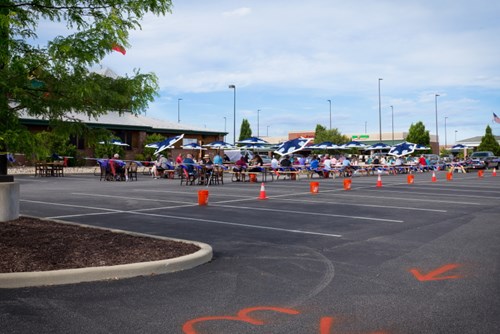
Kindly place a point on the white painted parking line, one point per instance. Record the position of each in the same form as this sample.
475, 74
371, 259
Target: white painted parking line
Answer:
71, 205
308, 213
408, 199
237, 224
139, 212
363, 205
130, 198
430, 194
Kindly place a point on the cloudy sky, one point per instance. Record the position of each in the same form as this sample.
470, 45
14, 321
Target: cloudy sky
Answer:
288, 57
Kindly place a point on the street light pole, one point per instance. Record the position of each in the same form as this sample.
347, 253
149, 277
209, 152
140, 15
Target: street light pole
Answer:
225, 119
445, 136
437, 135
233, 87
258, 125
330, 101
379, 111
392, 115
267, 132
179, 110
365, 127
456, 136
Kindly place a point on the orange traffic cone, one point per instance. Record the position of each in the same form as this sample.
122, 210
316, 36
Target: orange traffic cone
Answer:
379, 181
494, 172
434, 178
262, 192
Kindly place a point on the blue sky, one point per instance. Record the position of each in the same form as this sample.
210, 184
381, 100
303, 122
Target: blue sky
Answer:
288, 57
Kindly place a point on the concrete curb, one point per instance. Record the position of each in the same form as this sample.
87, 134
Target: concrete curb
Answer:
71, 276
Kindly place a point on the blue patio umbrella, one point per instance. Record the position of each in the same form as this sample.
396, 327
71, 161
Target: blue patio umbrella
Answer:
401, 149
459, 147
326, 145
116, 142
158, 144
253, 141
378, 146
292, 146
193, 146
419, 147
353, 144
166, 143
220, 145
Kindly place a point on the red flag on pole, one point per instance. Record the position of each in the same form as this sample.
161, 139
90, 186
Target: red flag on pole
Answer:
119, 48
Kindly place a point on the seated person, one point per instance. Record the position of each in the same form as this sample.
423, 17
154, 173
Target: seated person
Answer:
117, 167
239, 167
218, 160
189, 162
256, 164
161, 164
314, 166
346, 167
285, 162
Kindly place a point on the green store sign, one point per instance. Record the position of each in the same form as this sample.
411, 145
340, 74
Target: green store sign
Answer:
360, 137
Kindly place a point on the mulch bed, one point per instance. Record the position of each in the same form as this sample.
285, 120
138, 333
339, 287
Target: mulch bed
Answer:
30, 244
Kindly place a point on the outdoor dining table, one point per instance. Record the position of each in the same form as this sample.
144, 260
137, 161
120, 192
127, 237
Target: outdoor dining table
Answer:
49, 169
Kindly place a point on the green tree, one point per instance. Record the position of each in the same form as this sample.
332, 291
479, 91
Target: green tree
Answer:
321, 134
245, 130
489, 142
54, 79
418, 135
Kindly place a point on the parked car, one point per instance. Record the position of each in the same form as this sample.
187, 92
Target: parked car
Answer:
483, 159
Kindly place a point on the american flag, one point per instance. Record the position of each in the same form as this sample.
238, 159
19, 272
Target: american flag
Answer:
496, 119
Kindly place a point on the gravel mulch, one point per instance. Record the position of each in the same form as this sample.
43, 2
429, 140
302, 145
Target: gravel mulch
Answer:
30, 244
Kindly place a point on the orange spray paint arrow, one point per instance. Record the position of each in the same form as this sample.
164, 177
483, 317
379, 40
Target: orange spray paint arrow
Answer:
435, 274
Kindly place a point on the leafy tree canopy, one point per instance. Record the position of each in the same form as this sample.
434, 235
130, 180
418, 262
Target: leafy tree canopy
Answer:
489, 143
245, 130
321, 134
418, 135
55, 79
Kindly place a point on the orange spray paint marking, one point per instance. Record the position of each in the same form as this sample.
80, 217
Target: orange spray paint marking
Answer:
435, 274
242, 316
325, 325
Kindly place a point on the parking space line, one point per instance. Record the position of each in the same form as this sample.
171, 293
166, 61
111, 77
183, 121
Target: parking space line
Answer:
308, 213
434, 194
365, 205
70, 205
409, 199
237, 224
139, 212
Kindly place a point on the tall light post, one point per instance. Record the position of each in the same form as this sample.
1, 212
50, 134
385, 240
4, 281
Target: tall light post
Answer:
267, 131
456, 136
330, 101
445, 135
379, 111
179, 110
366, 123
225, 119
436, 105
392, 116
233, 87
258, 126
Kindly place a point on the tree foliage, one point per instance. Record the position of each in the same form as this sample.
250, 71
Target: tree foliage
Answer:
54, 80
489, 142
418, 135
245, 130
321, 134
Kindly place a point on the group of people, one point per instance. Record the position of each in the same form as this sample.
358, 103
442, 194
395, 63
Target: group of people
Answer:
165, 163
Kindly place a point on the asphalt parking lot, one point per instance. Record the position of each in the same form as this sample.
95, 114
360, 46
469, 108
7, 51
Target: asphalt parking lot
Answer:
420, 258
